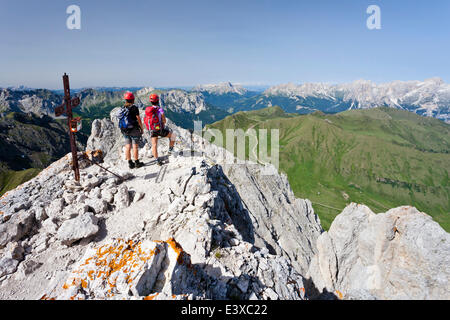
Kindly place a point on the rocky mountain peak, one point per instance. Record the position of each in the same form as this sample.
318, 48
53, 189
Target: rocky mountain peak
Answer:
145, 92
221, 88
435, 80
36, 101
183, 101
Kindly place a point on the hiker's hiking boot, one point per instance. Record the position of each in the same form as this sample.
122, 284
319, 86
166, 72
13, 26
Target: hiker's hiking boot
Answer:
138, 164
131, 164
159, 162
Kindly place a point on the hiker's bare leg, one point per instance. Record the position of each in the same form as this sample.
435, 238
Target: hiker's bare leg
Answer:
135, 151
171, 137
128, 151
155, 147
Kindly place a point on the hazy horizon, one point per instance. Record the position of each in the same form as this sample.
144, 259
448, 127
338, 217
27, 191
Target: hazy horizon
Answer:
246, 86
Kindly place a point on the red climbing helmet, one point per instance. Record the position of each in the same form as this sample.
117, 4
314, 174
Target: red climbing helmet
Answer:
154, 98
129, 96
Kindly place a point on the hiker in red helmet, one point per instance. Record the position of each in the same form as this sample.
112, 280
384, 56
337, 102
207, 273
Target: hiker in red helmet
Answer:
155, 121
131, 126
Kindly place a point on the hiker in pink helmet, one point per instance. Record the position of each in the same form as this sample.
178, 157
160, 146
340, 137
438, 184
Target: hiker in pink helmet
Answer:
155, 121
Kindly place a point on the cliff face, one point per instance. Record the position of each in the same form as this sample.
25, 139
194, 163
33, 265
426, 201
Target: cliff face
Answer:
200, 227
399, 254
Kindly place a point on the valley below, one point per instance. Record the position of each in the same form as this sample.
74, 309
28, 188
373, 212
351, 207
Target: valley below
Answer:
381, 157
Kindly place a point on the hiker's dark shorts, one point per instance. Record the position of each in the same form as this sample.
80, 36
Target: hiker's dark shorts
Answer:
133, 137
161, 133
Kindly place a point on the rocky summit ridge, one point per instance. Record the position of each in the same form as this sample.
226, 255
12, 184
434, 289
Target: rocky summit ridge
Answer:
200, 227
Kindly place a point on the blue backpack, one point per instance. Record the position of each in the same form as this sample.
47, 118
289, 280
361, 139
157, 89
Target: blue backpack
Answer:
124, 119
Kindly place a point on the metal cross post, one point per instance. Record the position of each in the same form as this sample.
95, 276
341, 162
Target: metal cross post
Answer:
60, 110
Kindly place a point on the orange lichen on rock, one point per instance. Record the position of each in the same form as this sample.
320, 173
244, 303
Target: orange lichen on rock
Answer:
151, 297
106, 264
90, 274
339, 294
73, 283
177, 248
183, 258
86, 262
116, 268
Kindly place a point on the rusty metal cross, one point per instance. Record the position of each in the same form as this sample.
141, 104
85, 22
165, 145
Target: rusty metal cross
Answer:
66, 108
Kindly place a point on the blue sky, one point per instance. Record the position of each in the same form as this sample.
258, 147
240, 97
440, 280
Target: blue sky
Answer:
184, 43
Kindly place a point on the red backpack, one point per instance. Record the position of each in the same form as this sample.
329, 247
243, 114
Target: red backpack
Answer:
151, 120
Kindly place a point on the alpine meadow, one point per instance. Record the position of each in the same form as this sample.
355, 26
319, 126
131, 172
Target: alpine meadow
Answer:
382, 157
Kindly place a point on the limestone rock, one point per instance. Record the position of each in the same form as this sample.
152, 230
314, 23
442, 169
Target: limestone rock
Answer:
92, 182
40, 214
99, 206
49, 226
98, 140
129, 269
122, 197
26, 268
14, 251
108, 194
55, 209
138, 196
7, 266
83, 226
17, 227
400, 254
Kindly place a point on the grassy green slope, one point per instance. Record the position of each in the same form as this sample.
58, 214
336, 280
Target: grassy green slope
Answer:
28, 144
11, 179
380, 157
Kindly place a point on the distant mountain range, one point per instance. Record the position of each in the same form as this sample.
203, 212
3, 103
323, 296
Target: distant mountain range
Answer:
221, 88
182, 106
225, 95
428, 98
